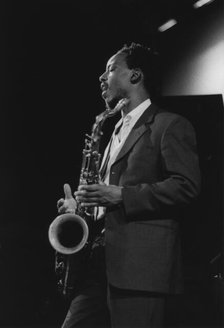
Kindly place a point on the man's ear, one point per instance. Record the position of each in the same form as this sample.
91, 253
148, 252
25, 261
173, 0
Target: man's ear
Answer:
136, 76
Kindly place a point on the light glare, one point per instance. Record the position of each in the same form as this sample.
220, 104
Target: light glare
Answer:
167, 25
201, 3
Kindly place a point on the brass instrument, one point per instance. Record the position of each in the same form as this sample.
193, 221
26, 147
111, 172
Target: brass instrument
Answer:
72, 234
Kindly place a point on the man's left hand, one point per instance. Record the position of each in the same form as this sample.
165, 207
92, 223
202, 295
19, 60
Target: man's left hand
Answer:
98, 195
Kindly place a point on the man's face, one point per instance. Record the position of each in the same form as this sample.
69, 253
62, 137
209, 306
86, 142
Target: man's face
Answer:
115, 81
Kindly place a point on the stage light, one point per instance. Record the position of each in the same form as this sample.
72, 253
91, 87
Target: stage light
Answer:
167, 25
201, 3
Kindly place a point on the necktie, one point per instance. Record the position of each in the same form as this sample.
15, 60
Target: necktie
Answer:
124, 128
106, 160
104, 167
117, 137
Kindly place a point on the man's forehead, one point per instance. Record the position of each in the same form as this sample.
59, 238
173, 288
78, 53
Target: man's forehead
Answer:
117, 58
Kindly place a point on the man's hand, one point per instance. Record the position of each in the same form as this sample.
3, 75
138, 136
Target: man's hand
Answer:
67, 204
98, 195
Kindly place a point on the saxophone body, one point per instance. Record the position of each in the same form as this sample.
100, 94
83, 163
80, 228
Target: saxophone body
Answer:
73, 234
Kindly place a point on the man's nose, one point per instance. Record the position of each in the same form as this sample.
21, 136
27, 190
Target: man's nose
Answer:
103, 77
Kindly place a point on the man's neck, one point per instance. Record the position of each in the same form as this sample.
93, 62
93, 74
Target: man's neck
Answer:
134, 102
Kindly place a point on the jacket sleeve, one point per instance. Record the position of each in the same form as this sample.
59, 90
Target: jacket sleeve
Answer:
181, 176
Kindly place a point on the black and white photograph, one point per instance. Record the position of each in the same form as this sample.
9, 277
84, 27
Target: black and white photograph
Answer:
112, 148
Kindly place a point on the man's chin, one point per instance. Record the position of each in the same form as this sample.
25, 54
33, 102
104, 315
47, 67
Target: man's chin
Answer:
110, 100
104, 95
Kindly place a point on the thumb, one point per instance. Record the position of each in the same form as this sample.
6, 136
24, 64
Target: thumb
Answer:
67, 191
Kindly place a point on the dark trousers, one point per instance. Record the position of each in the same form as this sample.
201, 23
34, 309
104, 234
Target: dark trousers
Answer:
136, 309
92, 308
88, 309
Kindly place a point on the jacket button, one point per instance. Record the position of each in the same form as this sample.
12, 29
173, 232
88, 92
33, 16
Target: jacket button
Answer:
112, 172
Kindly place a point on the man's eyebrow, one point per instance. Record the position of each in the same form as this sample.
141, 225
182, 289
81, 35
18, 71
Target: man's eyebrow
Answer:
109, 66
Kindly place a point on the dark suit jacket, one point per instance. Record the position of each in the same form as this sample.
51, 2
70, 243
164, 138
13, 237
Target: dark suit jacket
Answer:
159, 171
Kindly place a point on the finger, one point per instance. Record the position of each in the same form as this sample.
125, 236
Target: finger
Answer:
87, 199
89, 204
60, 202
80, 193
87, 194
91, 187
61, 210
67, 191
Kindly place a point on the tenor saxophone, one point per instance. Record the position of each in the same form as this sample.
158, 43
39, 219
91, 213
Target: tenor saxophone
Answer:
72, 234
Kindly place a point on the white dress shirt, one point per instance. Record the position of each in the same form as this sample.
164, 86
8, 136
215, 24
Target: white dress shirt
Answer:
117, 142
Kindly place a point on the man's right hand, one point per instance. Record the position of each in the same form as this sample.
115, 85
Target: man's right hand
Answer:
67, 204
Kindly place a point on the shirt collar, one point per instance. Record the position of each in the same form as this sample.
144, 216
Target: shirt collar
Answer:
135, 113
139, 109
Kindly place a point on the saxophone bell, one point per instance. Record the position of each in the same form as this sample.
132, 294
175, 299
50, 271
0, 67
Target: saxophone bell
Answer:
68, 233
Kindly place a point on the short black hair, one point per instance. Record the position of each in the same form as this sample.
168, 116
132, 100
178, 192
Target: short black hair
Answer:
147, 60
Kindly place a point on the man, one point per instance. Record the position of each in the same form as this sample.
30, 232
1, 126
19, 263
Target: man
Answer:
151, 173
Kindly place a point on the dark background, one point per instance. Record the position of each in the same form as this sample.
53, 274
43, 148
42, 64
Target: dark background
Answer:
53, 53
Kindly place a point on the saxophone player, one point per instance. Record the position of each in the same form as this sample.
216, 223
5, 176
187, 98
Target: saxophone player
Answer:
150, 174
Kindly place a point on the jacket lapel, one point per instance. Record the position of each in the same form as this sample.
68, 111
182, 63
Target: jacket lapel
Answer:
141, 126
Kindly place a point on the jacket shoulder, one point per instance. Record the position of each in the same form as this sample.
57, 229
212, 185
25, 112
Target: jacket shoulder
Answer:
165, 118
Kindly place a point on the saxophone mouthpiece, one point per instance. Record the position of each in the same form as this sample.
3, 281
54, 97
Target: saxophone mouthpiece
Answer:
121, 104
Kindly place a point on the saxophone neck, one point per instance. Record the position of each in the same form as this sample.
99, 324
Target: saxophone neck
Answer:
109, 112
119, 106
